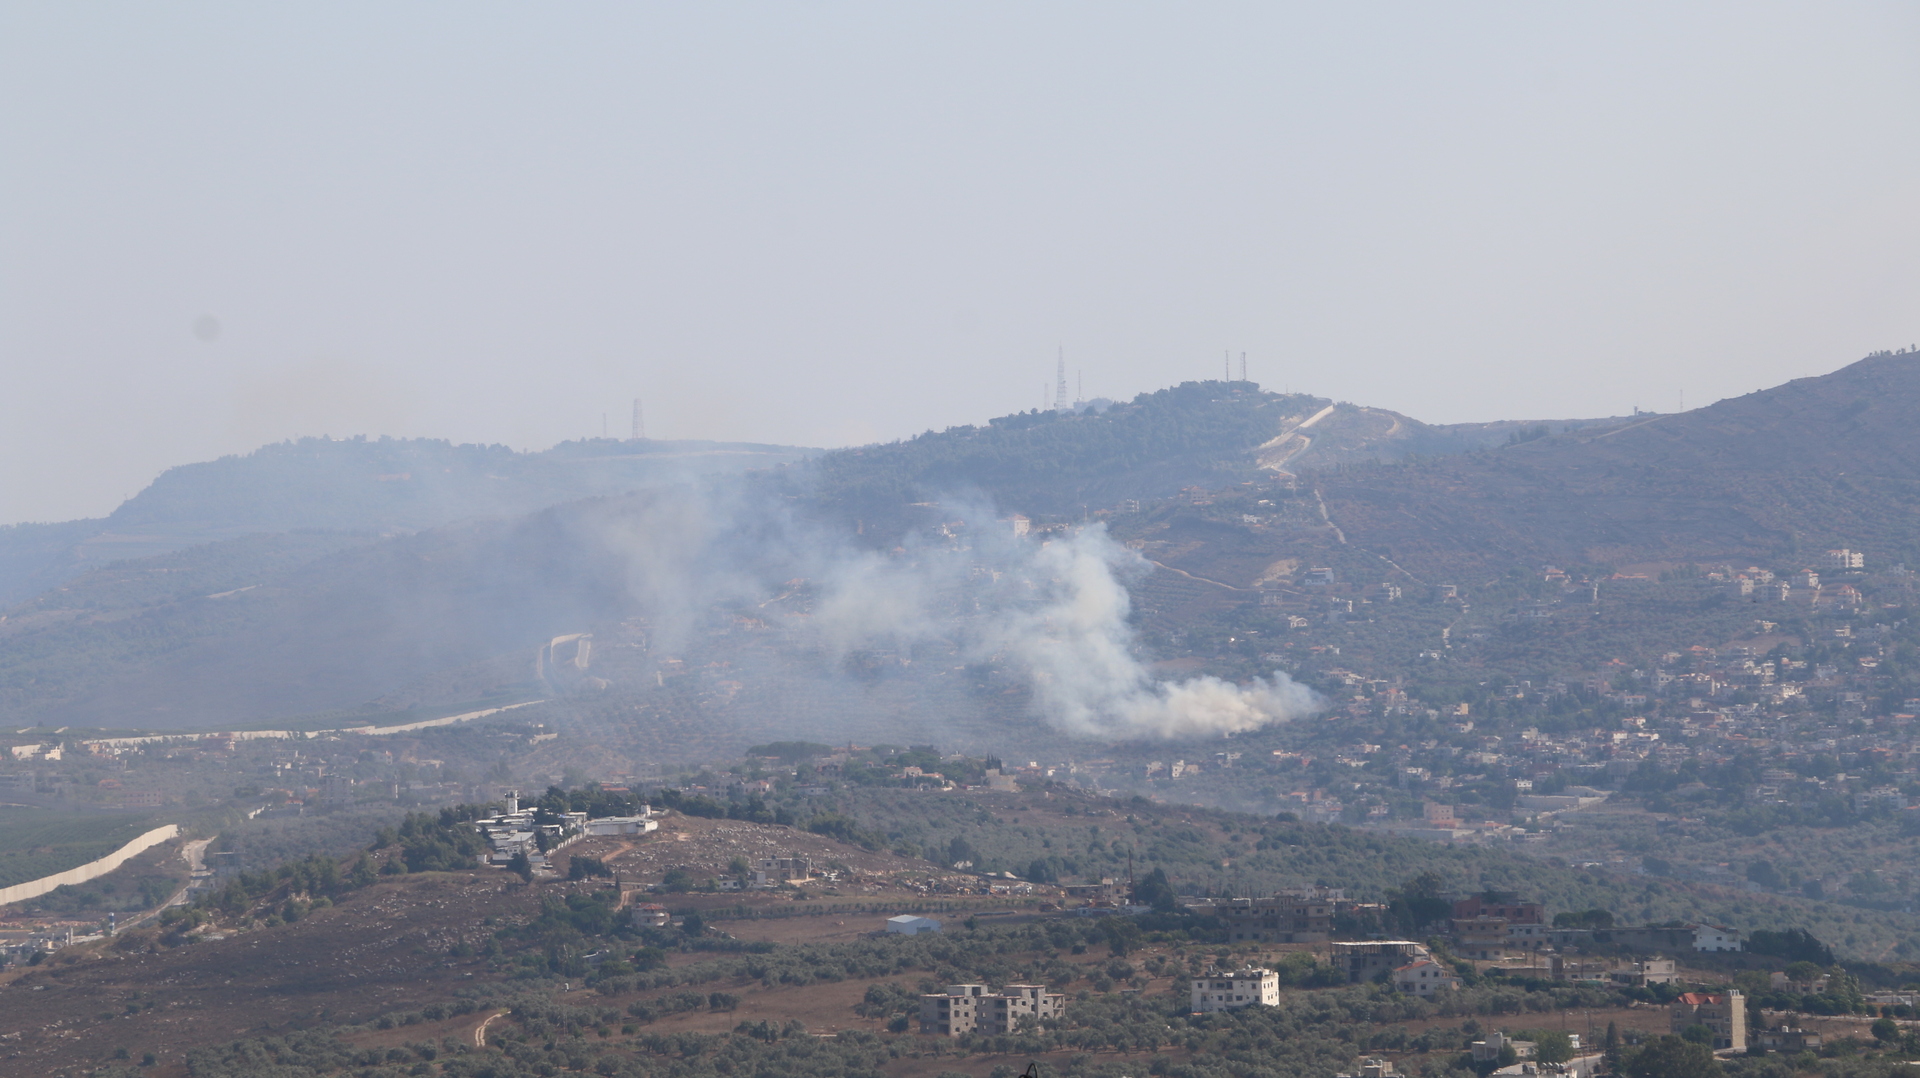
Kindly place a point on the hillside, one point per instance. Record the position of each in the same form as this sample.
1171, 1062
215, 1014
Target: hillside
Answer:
356, 486
689, 590
1788, 472
362, 967
1063, 465
278, 625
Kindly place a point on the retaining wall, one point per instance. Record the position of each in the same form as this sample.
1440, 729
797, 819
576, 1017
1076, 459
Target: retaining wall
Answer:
20, 892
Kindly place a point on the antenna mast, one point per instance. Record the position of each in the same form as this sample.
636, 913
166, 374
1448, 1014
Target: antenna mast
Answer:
639, 423
1243, 366
1060, 382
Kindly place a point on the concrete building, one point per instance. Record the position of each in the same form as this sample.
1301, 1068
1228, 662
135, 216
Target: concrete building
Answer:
1715, 938
1786, 1038
1425, 978
1646, 972
1248, 986
970, 1008
1484, 938
773, 871
1488, 1051
1513, 911
1281, 918
1723, 1013
1108, 892
651, 915
908, 925
624, 825
1365, 960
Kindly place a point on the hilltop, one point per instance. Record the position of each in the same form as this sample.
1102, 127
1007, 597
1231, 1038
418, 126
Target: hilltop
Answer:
1228, 491
1063, 464
358, 486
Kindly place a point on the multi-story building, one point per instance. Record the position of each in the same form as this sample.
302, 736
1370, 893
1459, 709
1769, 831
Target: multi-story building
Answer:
1302, 917
1646, 972
1363, 961
1480, 937
970, 1008
1723, 1013
1248, 986
1512, 911
1425, 978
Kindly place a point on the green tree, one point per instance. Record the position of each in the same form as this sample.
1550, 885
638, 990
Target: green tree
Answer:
1419, 901
1551, 1046
1154, 890
1671, 1057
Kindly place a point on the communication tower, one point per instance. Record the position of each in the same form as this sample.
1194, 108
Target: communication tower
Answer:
1060, 383
639, 424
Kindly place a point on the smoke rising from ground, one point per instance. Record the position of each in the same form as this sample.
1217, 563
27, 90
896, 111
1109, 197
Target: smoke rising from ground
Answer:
1052, 613
1057, 611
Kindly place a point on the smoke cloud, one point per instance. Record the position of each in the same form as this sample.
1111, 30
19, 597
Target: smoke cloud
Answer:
1051, 614
1057, 612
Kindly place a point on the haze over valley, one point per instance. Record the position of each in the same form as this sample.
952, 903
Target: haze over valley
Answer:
967, 542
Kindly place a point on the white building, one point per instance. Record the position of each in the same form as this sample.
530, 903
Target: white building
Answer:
1715, 938
1247, 986
624, 825
1425, 978
908, 925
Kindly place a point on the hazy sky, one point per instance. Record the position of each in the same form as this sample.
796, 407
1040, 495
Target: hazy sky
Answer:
223, 225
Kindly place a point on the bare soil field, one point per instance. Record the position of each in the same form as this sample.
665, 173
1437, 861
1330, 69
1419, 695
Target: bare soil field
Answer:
385, 948
381, 949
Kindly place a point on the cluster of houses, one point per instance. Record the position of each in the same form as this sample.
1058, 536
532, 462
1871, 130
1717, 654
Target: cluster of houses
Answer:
1486, 927
518, 831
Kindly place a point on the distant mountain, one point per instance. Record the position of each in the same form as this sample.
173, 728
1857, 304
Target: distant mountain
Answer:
273, 625
1063, 465
328, 597
357, 485
1781, 474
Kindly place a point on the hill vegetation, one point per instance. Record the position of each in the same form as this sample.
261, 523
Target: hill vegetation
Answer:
1064, 465
359, 486
1786, 472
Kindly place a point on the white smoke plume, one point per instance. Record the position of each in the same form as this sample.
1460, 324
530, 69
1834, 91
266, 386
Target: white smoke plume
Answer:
1053, 612
1080, 651
1058, 612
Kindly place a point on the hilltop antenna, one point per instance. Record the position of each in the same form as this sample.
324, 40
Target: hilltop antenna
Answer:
639, 422
1079, 385
1060, 382
1243, 366
1226, 365
603, 424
